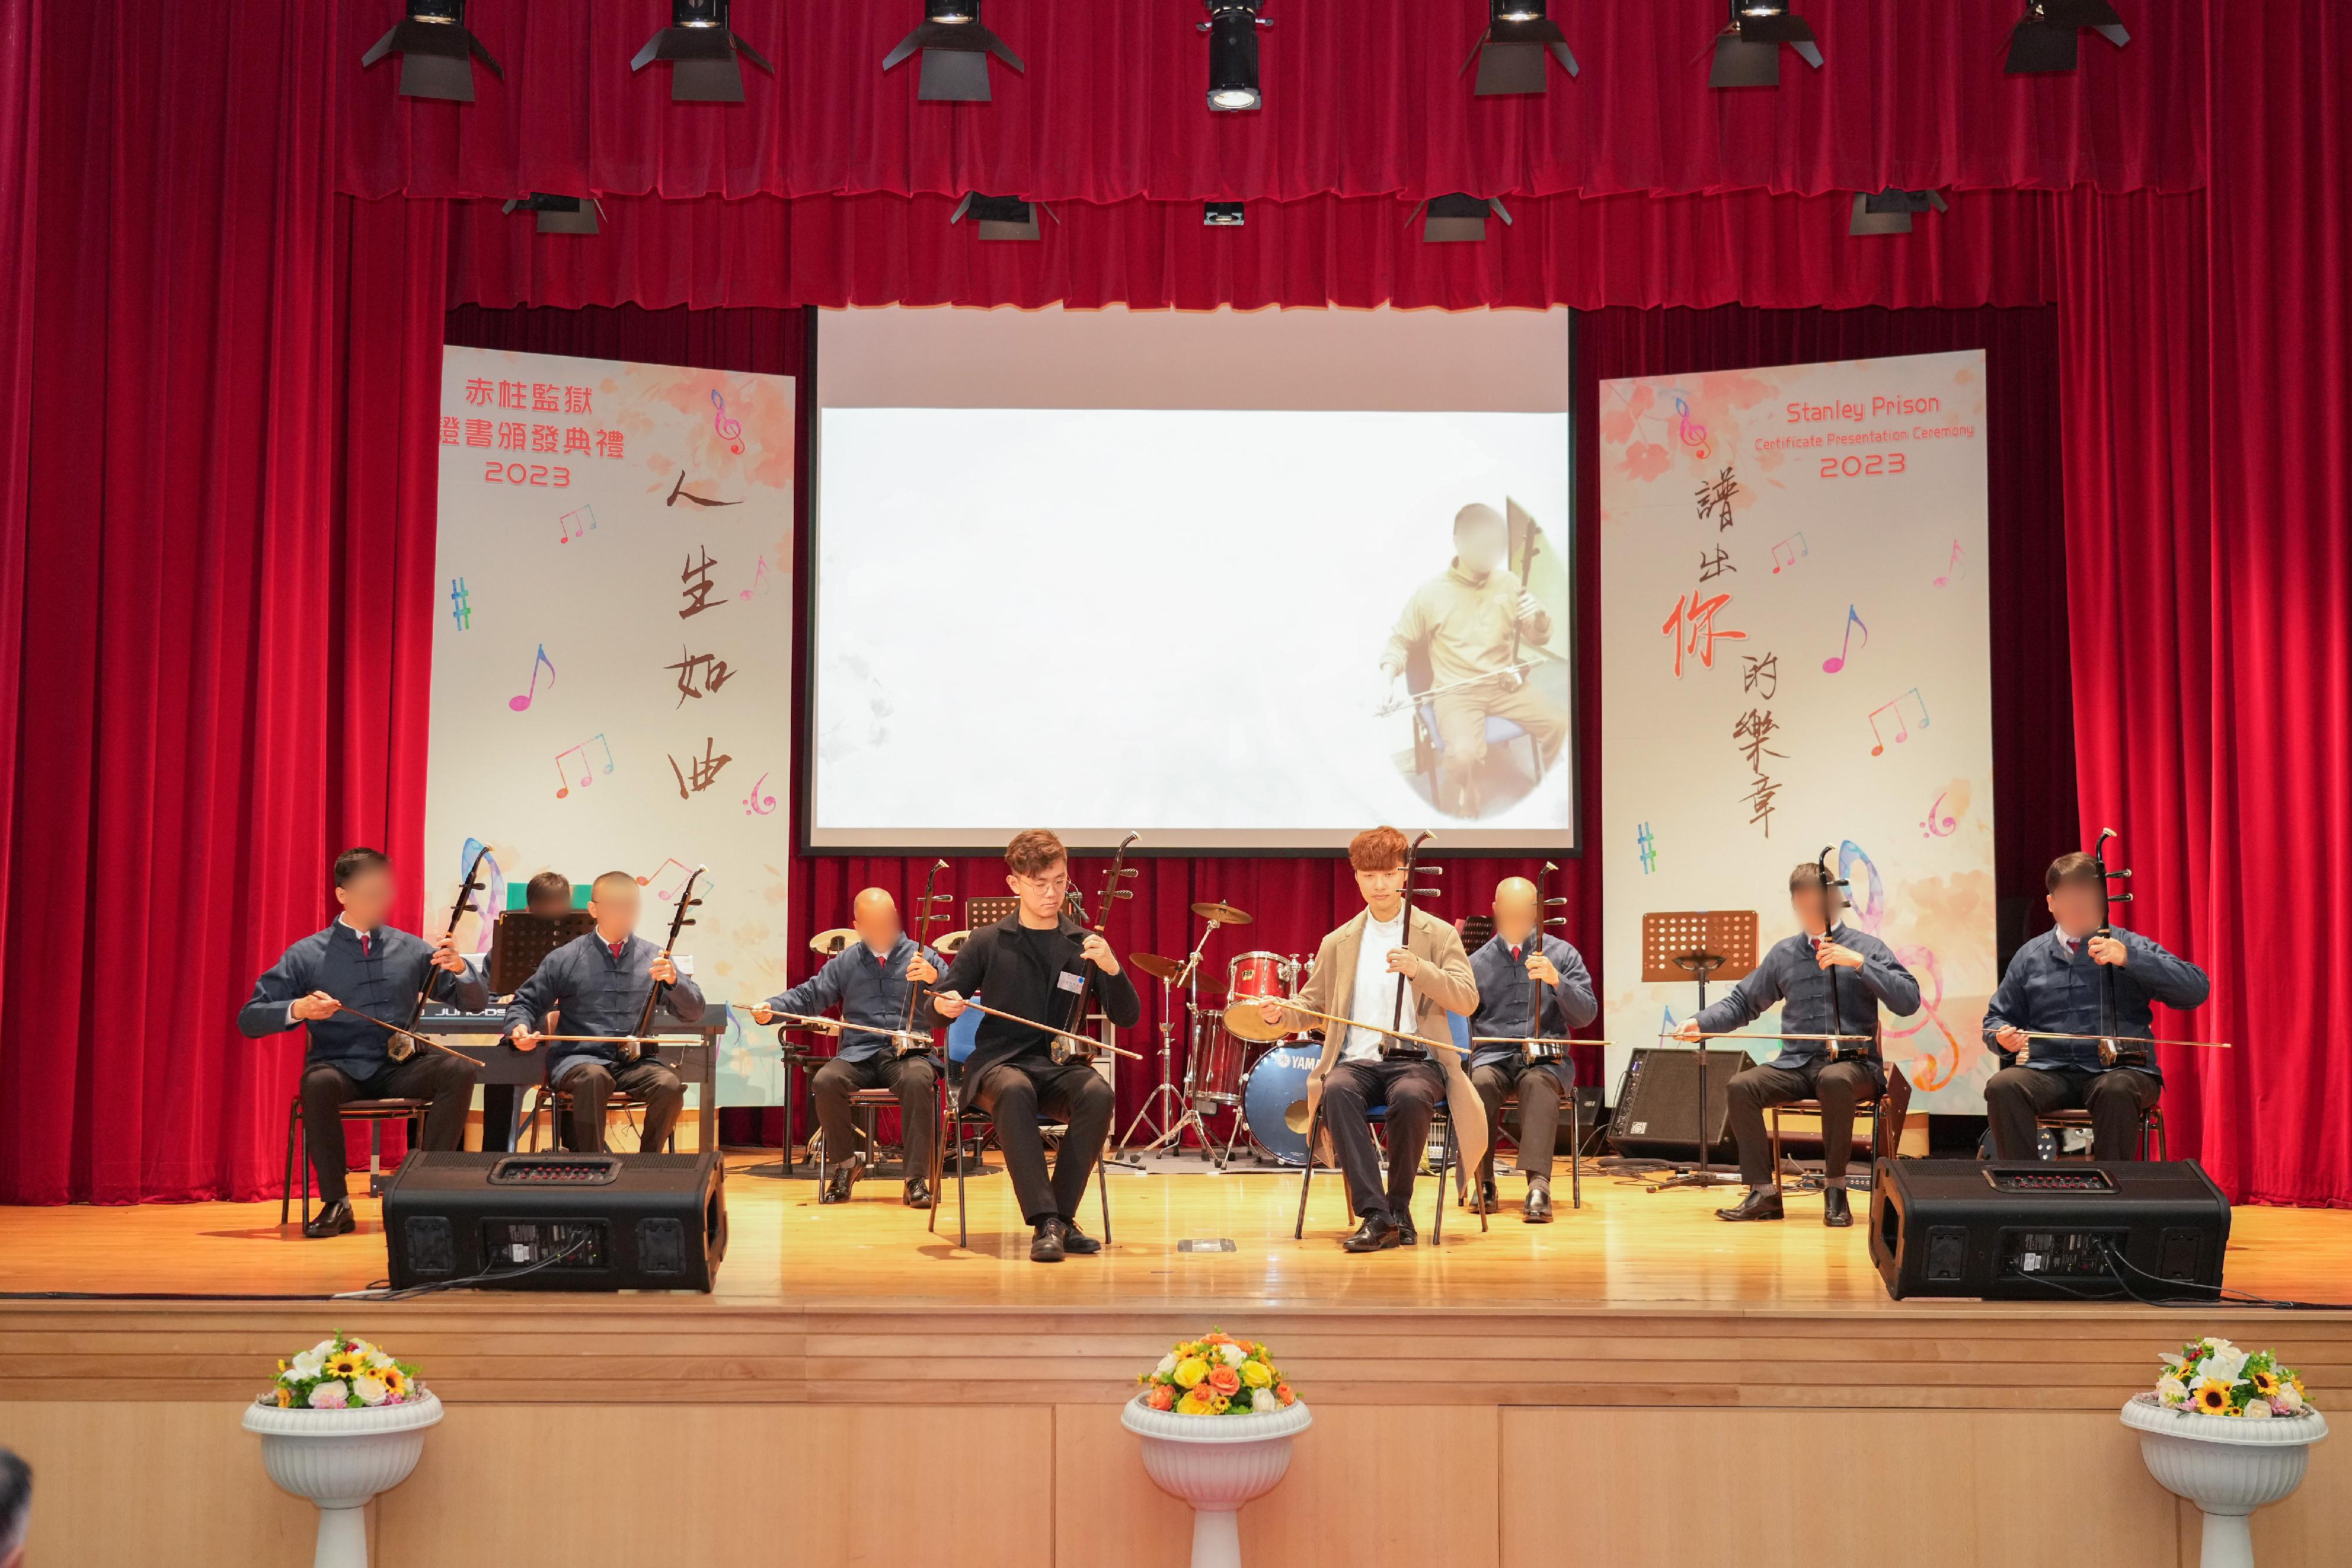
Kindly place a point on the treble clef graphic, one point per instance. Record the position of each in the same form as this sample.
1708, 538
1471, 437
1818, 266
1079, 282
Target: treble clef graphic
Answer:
730, 430
1692, 435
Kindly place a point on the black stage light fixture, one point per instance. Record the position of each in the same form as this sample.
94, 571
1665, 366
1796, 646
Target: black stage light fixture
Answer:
1511, 52
1889, 212
1457, 219
1232, 27
2044, 39
560, 214
1748, 52
700, 48
436, 53
1002, 217
1220, 215
954, 68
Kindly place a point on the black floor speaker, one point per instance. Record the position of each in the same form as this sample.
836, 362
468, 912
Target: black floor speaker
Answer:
2047, 1232
1657, 1104
557, 1222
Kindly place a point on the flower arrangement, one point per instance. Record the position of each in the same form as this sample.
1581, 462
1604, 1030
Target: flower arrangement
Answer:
341, 1374
1217, 1374
2214, 1378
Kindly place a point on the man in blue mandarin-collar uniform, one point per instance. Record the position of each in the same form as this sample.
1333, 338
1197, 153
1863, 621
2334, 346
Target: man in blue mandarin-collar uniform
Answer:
1530, 983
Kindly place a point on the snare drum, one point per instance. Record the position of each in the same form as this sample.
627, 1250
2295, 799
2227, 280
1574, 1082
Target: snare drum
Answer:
1213, 1072
1254, 977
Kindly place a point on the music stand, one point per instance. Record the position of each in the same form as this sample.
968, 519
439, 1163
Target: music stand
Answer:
1699, 944
520, 941
980, 912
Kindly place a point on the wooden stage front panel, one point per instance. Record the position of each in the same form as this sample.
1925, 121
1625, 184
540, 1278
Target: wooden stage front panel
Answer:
1637, 1384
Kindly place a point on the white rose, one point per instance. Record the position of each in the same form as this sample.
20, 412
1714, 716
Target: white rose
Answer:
377, 1361
2257, 1407
2288, 1399
1232, 1353
329, 1396
1167, 1365
371, 1390
1265, 1402
2172, 1391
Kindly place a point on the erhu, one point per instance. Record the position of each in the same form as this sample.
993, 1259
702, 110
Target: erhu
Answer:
630, 1049
1833, 903
1397, 1039
926, 916
1541, 1050
404, 1041
1072, 1044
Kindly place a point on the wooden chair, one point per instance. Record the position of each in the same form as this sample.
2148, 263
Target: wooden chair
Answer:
1885, 1110
375, 1113
2151, 1122
963, 1033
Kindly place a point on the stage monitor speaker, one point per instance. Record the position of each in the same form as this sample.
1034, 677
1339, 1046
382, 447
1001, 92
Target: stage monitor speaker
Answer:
1657, 1104
610, 1222
2045, 1232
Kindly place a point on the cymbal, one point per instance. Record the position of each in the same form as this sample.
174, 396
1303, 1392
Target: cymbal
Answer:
952, 944
832, 943
1223, 913
1158, 967
1245, 1022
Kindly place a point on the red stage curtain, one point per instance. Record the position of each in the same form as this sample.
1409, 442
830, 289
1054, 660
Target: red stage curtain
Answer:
1363, 99
1994, 247
19, 144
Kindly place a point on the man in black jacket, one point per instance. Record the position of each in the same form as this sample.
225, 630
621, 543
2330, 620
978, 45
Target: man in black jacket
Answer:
1033, 964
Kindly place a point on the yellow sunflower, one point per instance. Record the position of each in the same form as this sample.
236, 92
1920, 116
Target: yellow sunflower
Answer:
346, 1364
2265, 1383
2212, 1396
394, 1379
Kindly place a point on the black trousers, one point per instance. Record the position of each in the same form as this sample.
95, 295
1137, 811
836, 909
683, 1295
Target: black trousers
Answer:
1073, 1093
1413, 1089
2015, 1095
592, 1084
912, 1079
446, 1081
1539, 1089
1840, 1086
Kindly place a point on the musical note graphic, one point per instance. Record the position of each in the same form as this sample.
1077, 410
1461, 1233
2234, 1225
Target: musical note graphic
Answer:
523, 702
756, 576
1951, 566
1692, 433
1646, 843
730, 429
1797, 539
754, 805
1902, 730
1832, 666
460, 609
586, 778
1943, 817
675, 879
573, 524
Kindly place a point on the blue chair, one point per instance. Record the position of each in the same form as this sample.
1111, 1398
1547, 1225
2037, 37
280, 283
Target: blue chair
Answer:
1441, 1131
1429, 746
963, 1035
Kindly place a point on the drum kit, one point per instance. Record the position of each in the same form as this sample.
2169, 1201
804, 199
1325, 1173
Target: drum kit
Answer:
1266, 1097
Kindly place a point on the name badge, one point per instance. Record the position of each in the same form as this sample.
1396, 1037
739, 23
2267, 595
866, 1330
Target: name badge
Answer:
1071, 982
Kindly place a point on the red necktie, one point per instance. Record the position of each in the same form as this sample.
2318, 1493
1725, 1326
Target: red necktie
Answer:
364, 944
1515, 952
616, 949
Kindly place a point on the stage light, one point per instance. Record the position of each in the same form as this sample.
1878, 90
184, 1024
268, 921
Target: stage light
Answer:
1232, 27
2044, 39
560, 214
700, 48
1457, 219
954, 68
1748, 52
1002, 217
436, 53
1889, 212
1510, 53
1220, 215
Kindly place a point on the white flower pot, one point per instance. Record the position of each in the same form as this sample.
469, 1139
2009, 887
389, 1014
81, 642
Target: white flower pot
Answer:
341, 1459
2227, 1465
1216, 1463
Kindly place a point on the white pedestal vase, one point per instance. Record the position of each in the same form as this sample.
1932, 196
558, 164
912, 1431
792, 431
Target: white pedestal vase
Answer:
1216, 1463
339, 1460
2226, 1465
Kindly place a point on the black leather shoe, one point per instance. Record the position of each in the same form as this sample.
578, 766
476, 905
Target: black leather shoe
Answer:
838, 1185
1835, 1212
918, 1193
335, 1219
1077, 1242
1761, 1203
1536, 1210
1487, 1198
1377, 1231
1045, 1245
1406, 1235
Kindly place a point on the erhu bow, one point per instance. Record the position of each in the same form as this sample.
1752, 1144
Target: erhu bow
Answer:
1067, 1046
1396, 1035
629, 1049
404, 1039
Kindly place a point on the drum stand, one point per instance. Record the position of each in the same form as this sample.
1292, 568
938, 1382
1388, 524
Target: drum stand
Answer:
1170, 1134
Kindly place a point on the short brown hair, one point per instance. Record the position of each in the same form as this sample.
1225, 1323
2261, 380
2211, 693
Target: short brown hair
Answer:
1807, 873
1034, 852
1377, 849
546, 886
2073, 866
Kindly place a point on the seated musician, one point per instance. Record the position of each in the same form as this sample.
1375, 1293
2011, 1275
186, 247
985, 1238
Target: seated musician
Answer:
359, 963
600, 982
872, 980
1032, 964
2075, 981
1467, 619
1828, 959
1530, 983
1356, 977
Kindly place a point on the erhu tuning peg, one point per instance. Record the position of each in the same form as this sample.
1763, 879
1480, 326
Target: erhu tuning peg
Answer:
1431, 870
1555, 903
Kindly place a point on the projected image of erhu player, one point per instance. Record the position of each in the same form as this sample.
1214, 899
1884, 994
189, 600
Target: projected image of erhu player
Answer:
1459, 657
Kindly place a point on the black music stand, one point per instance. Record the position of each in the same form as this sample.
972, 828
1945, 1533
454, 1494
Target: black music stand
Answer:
980, 912
520, 941
1699, 944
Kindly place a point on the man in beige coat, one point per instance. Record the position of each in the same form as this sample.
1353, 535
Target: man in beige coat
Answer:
1356, 977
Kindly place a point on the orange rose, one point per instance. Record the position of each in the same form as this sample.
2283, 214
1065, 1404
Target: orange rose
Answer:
1282, 1392
1226, 1381
1161, 1397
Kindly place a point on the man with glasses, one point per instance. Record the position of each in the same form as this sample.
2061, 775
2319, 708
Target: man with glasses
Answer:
1033, 964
